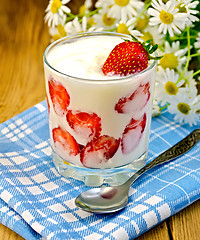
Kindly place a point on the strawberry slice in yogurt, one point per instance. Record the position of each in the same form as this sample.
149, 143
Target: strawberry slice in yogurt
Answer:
136, 101
65, 143
132, 134
59, 96
99, 151
86, 125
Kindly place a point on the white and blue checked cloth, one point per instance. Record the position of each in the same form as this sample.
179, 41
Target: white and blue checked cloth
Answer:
38, 203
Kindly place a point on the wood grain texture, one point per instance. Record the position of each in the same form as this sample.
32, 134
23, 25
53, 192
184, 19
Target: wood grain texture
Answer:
185, 225
23, 39
7, 234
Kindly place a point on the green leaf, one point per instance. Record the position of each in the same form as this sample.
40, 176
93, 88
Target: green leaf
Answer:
134, 38
147, 47
153, 49
155, 58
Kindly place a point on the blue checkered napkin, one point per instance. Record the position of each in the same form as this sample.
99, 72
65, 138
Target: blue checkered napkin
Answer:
11, 219
36, 202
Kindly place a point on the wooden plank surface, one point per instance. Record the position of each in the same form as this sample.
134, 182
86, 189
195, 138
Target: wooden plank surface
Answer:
23, 39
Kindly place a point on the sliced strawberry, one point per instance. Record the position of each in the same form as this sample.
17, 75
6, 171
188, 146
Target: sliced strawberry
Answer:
136, 101
132, 134
87, 125
65, 141
59, 96
99, 151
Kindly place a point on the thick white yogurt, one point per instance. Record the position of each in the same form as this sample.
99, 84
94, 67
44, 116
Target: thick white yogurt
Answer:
83, 59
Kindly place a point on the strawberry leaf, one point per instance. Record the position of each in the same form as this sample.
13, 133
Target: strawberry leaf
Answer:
149, 47
153, 49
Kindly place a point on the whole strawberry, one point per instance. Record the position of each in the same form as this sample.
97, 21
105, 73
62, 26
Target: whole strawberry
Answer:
129, 57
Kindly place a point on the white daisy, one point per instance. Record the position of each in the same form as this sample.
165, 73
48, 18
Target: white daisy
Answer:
103, 3
102, 20
55, 11
167, 85
127, 7
167, 17
75, 26
191, 83
188, 6
58, 31
127, 26
197, 43
185, 107
84, 9
151, 32
173, 56
142, 21
156, 108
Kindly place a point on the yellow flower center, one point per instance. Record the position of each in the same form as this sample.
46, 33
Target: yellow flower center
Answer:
147, 36
169, 60
166, 17
82, 10
122, 3
91, 21
184, 108
171, 88
56, 37
61, 30
142, 23
55, 5
108, 21
122, 28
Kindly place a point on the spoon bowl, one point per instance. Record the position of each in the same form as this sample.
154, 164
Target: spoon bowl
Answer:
112, 199
103, 200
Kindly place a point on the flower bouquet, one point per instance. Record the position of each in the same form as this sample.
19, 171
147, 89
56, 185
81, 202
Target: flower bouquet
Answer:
172, 24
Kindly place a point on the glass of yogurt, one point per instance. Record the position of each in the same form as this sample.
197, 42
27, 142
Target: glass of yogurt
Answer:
99, 125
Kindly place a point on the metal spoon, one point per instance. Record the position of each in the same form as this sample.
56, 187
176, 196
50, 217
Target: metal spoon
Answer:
112, 199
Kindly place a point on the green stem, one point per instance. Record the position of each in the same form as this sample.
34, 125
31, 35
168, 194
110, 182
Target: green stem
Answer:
71, 17
164, 107
91, 13
183, 38
197, 72
184, 78
195, 55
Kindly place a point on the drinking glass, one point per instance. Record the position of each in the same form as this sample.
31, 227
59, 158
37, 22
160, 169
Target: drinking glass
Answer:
99, 128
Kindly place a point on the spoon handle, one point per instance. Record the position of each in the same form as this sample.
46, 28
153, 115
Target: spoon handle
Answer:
175, 151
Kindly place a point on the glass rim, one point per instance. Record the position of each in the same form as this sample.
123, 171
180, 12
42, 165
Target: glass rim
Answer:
86, 34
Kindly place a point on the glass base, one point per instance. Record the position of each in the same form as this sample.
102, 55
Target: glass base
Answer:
97, 177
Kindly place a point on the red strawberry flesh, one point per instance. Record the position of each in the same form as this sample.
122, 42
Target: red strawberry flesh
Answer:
87, 125
126, 58
99, 151
136, 101
59, 96
66, 141
132, 134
